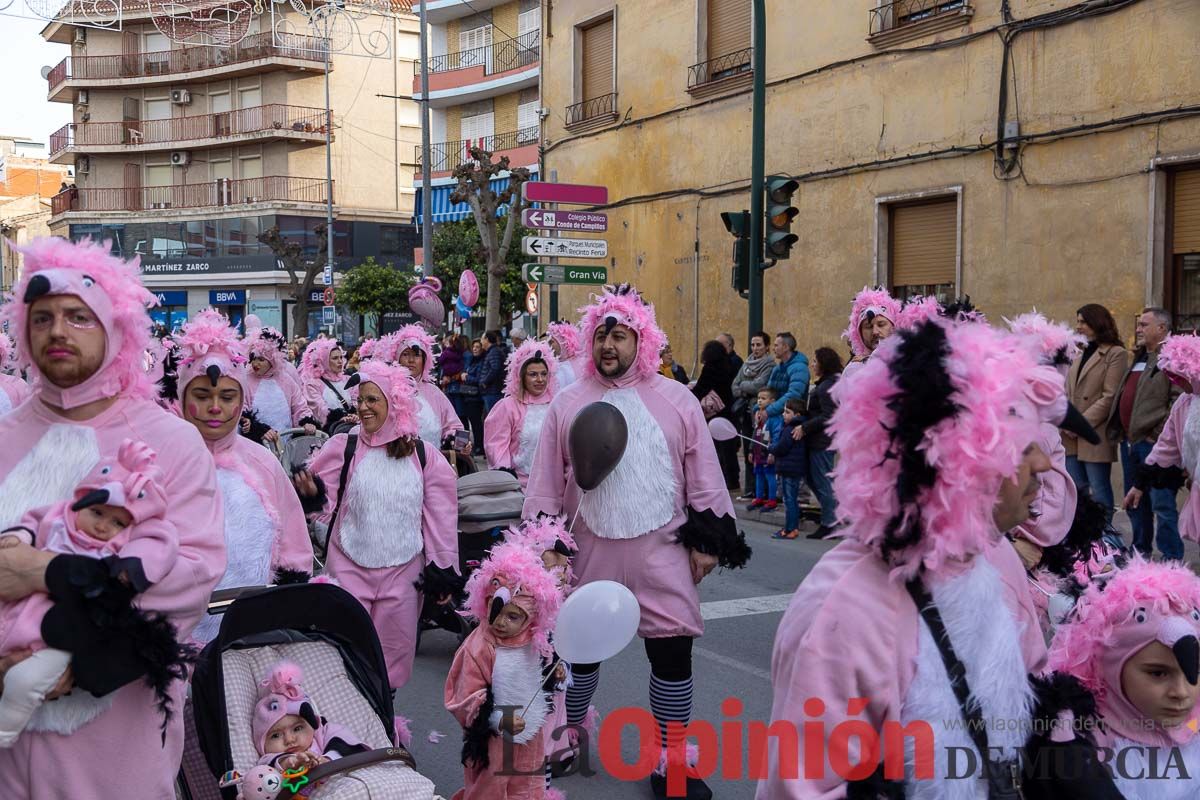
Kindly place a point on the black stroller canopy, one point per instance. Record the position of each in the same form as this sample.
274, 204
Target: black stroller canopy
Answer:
279, 615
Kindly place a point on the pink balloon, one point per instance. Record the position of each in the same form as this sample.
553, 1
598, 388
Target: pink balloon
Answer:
425, 303
722, 429
468, 288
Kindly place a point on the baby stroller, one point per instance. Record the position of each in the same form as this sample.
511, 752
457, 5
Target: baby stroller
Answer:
295, 447
324, 630
489, 502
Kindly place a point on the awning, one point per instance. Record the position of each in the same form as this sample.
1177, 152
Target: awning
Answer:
445, 211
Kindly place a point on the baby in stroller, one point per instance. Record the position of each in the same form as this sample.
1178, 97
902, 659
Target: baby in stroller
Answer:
287, 729
116, 518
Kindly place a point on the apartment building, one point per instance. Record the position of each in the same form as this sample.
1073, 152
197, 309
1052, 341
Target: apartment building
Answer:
1025, 152
27, 182
184, 152
484, 68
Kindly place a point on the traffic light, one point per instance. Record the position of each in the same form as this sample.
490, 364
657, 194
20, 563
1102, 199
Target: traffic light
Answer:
777, 236
738, 224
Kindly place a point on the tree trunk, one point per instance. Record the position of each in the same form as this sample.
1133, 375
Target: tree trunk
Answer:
300, 316
495, 275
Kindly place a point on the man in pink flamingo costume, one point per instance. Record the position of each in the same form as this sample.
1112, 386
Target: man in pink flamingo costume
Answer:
662, 519
79, 317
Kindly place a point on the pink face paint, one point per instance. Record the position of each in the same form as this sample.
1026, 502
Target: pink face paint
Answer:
192, 411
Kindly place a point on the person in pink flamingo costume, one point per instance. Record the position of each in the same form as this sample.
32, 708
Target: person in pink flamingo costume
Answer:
265, 531
565, 341
322, 368
925, 508
501, 665
412, 348
874, 315
514, 425
394, 521
277, 392
662, 519
13, 390
1177, 449
79, 317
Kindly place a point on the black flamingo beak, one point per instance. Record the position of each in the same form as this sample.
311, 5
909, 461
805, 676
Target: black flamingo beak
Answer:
1187, 653
354, 380
213, 373
38, 285
96, 497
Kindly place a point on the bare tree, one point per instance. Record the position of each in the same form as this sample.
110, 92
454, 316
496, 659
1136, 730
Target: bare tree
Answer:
290, 254
475, 188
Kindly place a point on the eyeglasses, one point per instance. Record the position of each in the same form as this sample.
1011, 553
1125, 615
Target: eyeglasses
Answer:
82, 319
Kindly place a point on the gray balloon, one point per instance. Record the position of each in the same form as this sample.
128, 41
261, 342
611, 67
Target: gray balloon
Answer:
596, 442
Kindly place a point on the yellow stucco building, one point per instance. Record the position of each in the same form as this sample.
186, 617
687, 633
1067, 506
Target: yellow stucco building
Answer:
888, 114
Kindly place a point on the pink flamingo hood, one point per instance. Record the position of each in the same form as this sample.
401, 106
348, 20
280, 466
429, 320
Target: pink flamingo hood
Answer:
414, 336
1180, 354
207, 343
131, 481
568, 338
281, 694
546, 532
112, 289
1114, 619
917, 310
623, 305
1055, 343
367, 349
314, 364
400, 390
927, 430
530, 351
876, 302
267, 343
513, 573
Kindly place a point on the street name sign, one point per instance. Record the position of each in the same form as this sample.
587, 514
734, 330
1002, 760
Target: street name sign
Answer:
564, 273
573, 194
579, 221
568, 248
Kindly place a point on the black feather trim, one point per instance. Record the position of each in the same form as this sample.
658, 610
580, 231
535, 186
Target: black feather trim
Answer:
962, 309
1152, 476
257, 429
309, 421
436, 583
876, 787
1058, 692
1087, 528
168, 384
478, 734
316, 503
924, 398
283, 577
707, 533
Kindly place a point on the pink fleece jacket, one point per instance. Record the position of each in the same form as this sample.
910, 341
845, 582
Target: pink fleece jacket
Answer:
1169, 452
120, 753
1056, 499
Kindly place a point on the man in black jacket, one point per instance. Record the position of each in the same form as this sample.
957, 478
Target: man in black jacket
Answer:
491, 377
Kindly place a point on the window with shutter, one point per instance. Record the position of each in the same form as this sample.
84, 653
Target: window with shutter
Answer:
475, 47
1185, 229
1183, 249
479, 126
924, 248
527, 122
598, 60
728, 28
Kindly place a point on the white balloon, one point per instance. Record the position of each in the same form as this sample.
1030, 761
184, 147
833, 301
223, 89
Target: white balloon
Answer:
596, 622
722, 429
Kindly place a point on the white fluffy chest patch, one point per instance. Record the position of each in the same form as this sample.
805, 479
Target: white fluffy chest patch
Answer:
639, 495
5, 403
1191, 439
49, 472
987, 640
565, 375
517, 679
380, 522
531, 431
1146, 775
332, 401
428, 426
271, 405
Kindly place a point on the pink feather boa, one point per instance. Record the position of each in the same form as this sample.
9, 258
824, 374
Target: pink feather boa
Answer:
1181, 354
1049, 339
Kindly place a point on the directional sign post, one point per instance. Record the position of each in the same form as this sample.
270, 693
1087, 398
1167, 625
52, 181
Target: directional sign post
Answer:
564, 248
578, 221
327, 275
564, 273
328, 315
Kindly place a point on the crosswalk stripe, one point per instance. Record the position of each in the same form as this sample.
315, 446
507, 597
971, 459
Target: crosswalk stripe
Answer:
745, 606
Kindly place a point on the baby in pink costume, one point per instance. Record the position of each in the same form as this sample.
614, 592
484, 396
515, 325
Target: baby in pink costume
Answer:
116, 516
288, 732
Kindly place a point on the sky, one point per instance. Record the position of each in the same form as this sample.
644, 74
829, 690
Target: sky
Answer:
24, 110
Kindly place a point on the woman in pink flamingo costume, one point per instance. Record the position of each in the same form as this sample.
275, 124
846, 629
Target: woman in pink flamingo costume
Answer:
514, 425
412, 348
564, 338
279, 402
322, 370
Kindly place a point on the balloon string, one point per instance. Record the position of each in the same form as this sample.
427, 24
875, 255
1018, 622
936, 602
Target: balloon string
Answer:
553, 667
575, 516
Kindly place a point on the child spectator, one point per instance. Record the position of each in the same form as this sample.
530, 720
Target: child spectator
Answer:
791, 464
766, 431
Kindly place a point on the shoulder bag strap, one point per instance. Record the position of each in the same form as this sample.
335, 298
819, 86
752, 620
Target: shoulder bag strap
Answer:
1003, 779
342, 397
347, 457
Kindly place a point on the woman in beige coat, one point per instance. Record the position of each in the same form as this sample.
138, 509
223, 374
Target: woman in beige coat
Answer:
1092, 385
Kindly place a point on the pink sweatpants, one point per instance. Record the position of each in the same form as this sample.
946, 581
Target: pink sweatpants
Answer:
393, 602
488, 784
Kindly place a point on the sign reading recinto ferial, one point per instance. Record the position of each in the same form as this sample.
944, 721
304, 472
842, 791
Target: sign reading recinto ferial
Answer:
566, 248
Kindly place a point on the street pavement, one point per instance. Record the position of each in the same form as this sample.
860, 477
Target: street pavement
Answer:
742, 609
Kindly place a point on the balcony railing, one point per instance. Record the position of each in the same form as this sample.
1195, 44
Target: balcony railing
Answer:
221, 192
715, 69
187, 59
445, 156
523, 51
597, 108
223, 124
895, 14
